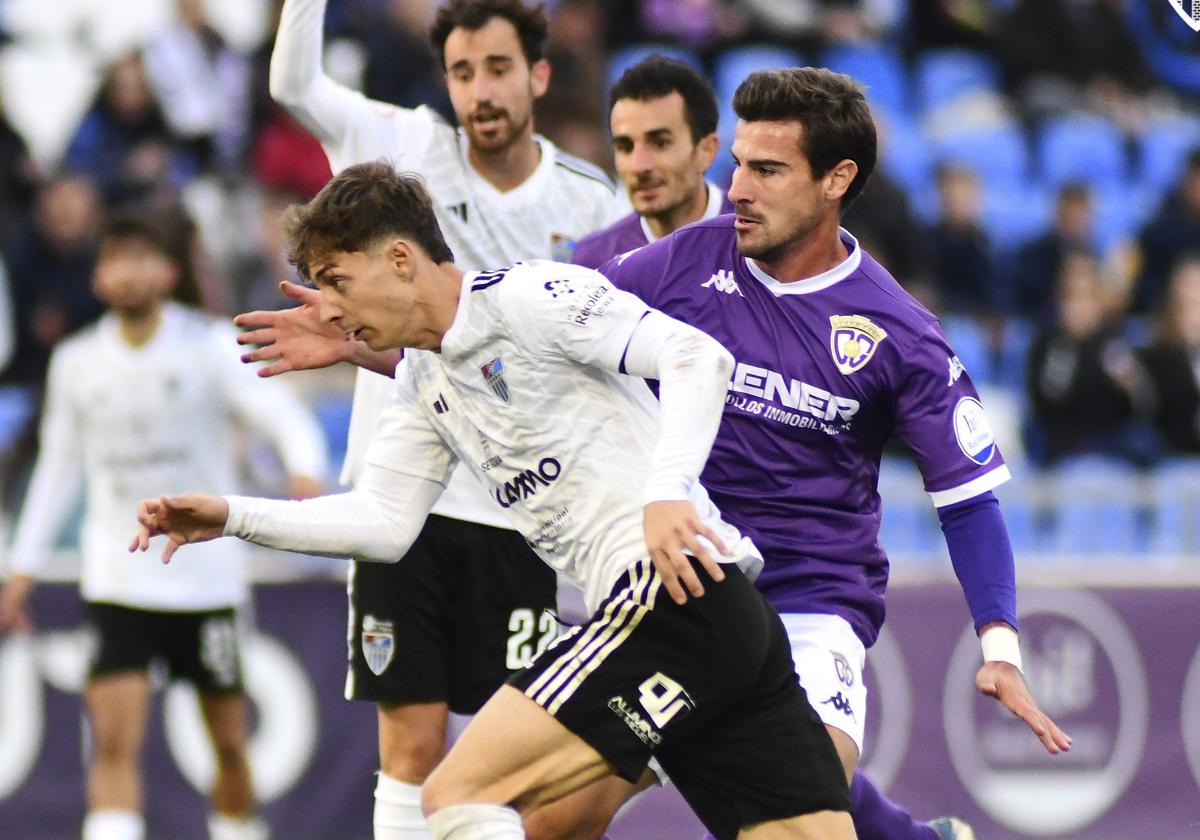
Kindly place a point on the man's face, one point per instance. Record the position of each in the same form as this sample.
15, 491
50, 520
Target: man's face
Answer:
775, 197
654, 153
132, 275
492, 86
363, 295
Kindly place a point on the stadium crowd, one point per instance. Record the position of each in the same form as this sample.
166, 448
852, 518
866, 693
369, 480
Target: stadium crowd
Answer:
1039, 190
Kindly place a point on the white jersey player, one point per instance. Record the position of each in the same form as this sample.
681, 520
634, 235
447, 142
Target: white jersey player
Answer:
143, 401
501, 193
521, 377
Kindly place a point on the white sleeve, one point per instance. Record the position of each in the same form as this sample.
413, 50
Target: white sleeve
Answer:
271, 407
377, 521
693, 372
57, 476
350, 127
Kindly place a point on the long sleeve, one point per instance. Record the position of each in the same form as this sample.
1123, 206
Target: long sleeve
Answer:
298, 82
377, 521
693, 373
57, 477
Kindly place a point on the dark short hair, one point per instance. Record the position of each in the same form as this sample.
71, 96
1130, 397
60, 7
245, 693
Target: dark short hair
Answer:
138, 226
472, 15
659, 76
358, 208
832, 109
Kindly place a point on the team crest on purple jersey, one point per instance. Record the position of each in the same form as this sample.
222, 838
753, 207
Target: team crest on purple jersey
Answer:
493, 375
853, 340
1188, 11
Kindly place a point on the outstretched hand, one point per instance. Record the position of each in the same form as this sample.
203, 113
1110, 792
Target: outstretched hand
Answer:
671, 530
190, 518
293, 339
1005, 683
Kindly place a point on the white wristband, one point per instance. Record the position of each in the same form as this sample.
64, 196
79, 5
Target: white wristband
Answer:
1000, 645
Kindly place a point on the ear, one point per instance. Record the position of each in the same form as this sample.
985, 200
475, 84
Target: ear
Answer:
839, 178
401, 257
706, 150
539, 77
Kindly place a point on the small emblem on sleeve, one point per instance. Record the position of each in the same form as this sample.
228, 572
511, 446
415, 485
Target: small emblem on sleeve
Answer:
841, 664
973, 431
956, 370
493, 375
853, 340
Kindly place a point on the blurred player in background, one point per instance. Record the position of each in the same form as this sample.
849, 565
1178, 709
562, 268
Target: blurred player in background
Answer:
663, 120
440, 631
144, 400
833, 358
602, 481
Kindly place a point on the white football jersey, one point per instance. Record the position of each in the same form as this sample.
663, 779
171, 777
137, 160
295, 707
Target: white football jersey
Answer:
526, 393
564, 199
139, 422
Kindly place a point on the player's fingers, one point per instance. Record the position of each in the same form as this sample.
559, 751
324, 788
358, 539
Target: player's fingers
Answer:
669, 575
252, 322
711, 535
296, 292
267, 353
169, 550
687, 574
706, 561
275, 368
259, 338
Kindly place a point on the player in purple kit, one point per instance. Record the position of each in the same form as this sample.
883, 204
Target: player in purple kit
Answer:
833, 359
663, 119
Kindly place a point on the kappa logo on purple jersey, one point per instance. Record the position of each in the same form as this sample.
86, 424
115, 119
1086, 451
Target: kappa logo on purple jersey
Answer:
493, 375
853, 340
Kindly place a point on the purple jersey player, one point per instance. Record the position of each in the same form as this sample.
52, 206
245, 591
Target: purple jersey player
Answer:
832, 359
663, 118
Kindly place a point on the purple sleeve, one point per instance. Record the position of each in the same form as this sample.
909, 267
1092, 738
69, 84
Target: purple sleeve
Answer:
982, 557
939, 415
640, 271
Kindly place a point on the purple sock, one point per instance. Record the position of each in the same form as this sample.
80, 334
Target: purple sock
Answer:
878, 818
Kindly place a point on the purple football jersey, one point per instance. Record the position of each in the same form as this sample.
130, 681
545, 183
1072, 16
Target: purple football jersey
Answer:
828, 369
630, 233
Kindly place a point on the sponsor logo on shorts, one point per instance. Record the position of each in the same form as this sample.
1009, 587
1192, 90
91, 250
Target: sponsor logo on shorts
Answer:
634, 720
378, 643
839, 702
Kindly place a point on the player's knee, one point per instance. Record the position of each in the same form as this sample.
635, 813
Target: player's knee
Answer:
411, 756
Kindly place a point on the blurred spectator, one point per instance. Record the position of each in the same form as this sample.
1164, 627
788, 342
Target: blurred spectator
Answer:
882, 220
574, 111
951, 23
1173, 232
698, 24
18, 182
400, 63
286, 157
816, 23
203, 87
50, 273
258, 273
1066, 55
1039, 263
960, 257
1083, 378
1172, 361
123, 142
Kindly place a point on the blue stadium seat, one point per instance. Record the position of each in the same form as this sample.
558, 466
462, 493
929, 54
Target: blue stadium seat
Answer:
1164, 149
17, 405
624, 58
943, 75
1121, 212
910, 526
970, 344
333, 413
1175, 513
904, 154
999, 154
1097, 511
1013, 359
878, 68
1016, 212
733, 65
1081, 148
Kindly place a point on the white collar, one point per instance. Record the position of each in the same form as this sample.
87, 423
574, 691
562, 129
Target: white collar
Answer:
812, 284
715, 199
523, 192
